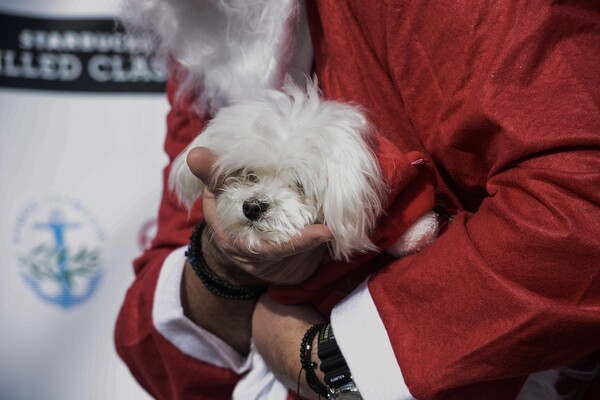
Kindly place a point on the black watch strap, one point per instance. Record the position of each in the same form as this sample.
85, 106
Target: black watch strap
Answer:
333, 364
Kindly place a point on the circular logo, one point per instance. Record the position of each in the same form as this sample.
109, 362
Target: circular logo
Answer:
58, 247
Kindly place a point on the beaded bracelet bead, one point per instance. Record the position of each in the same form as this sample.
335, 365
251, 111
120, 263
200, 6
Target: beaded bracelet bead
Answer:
307, 364
214, 283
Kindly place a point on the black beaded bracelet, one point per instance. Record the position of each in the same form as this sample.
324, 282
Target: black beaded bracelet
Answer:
214, 283
307, 364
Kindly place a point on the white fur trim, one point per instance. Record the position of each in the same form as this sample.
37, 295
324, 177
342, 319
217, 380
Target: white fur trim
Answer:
540, 386
173, 325
259, 383
367, 348
417, 236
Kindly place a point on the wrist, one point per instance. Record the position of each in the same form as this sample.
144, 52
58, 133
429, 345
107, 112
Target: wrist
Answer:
315, 356
308, 360
327, 372
216, 284
210, 299
230, 320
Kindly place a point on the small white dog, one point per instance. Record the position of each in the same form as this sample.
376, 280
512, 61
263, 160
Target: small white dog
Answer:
288, 159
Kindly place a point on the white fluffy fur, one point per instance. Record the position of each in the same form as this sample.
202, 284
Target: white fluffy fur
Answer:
307, 158
229, 48
419, 235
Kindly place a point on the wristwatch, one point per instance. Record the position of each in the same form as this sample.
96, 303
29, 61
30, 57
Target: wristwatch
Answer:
338, 378
347, 392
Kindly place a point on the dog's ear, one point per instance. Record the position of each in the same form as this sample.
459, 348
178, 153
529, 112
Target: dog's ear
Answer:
183, 182
354, 191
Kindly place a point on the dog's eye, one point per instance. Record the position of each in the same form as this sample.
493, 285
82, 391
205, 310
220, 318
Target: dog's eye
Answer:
251, 177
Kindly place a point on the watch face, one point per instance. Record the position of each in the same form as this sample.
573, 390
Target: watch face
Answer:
346, 394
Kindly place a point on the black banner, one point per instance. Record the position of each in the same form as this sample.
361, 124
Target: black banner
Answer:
82, 55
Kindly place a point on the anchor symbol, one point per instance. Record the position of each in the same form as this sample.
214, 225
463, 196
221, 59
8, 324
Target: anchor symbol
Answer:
65, 298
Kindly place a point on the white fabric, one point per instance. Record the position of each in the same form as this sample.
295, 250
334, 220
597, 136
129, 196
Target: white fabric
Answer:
363, 340
540, 386
259, 383
169, 320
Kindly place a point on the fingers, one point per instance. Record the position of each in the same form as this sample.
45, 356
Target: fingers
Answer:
287, 271
309, 238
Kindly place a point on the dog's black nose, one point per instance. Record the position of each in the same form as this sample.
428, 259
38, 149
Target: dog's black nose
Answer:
254, 208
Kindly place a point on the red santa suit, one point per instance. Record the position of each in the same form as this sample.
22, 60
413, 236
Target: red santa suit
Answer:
502, 100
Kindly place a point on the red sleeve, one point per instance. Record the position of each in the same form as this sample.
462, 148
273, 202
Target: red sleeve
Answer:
504, 97
161, 368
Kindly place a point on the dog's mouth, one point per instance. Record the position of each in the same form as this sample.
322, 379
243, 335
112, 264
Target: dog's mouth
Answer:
259, 227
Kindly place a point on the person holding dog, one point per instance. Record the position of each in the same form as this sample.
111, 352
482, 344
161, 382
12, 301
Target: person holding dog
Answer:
503, 101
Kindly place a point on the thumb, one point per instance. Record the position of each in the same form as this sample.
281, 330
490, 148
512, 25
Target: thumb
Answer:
201, 161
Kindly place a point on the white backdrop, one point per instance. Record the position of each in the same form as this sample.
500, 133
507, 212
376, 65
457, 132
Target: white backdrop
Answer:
79, 187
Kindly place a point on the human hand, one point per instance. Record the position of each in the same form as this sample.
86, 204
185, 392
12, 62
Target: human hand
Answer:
285, 264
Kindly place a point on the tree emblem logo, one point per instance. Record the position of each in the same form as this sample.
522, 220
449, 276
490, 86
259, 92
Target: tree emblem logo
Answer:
59, 250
